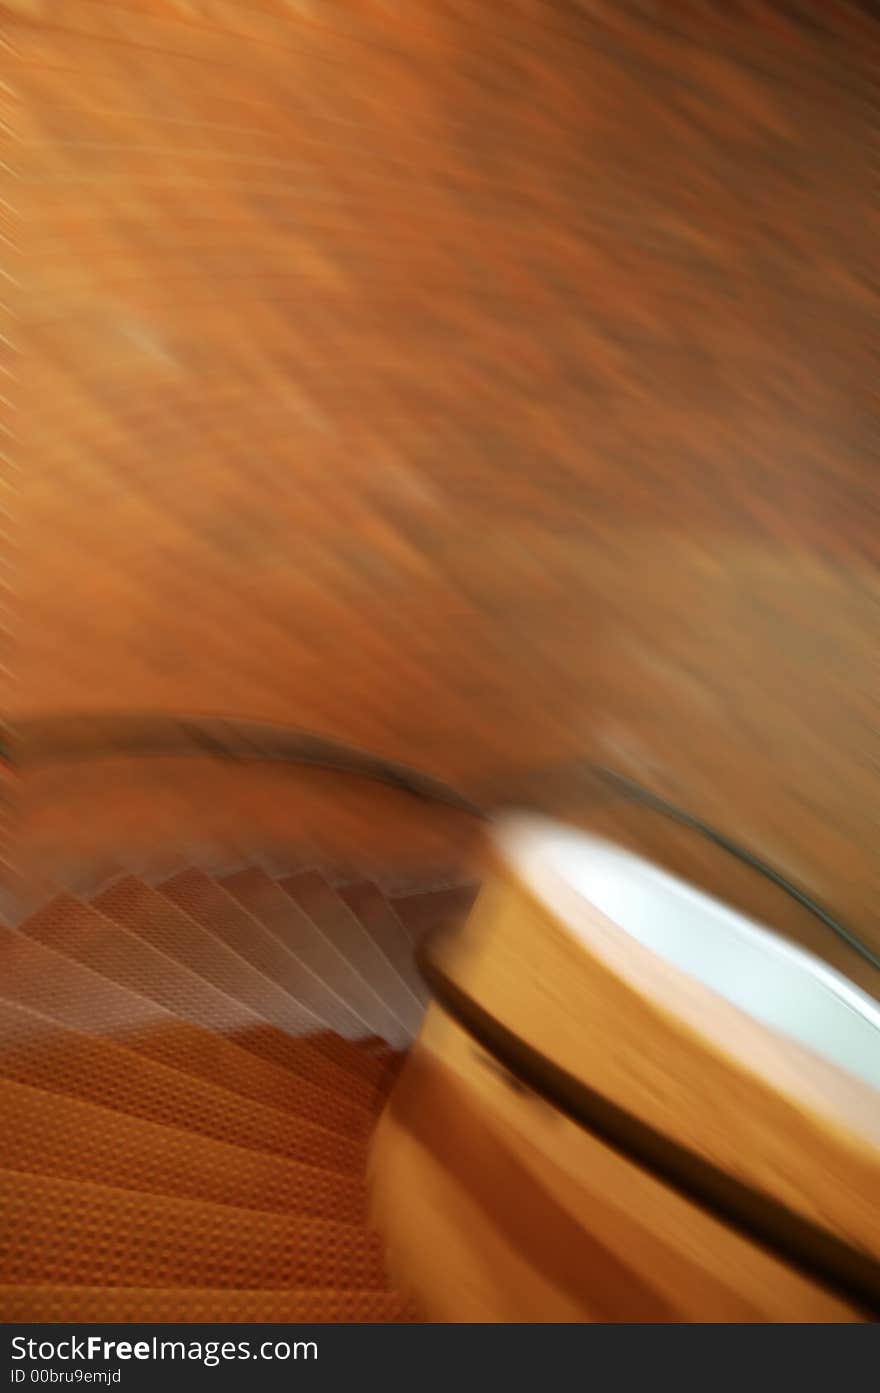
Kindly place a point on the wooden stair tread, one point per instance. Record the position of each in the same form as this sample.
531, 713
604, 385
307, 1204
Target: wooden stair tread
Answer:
39, 1050
80, 1232
189, 1076
385, 926
66, 1138
340, 923
221, 1306
222, 914
264, 898
78, 966
148, 915
143, 911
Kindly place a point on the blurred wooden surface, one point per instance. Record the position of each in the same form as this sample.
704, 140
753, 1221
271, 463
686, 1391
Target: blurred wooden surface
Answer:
480, 389
81, 824
584, 993
504, 1184
495, 1207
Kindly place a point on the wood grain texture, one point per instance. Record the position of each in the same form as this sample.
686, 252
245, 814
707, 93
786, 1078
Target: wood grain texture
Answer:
667, 1050
480, 392
84, 822
497, 1208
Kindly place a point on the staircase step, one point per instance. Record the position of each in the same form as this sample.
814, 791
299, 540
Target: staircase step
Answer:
143, 911
103, 979
204, 900
36, 975
429, 909
291, 925
145, 1305
341, 925
21, 895
41, 1051
82, 1233
45, 1134
385, 927
189, 1075
148, 915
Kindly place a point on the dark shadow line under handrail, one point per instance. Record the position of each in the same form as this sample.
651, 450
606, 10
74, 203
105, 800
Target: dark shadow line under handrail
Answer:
45, 739
42, 740
816, 1254
838, 1266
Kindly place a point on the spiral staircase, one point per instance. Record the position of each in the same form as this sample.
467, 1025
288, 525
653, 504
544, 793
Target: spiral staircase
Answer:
190, 1071
218, 964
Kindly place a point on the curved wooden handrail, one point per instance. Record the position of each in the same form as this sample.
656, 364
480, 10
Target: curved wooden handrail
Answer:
39, 740
812, 1251
42, 740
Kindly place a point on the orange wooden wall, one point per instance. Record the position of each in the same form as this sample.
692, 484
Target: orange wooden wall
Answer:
482, 383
